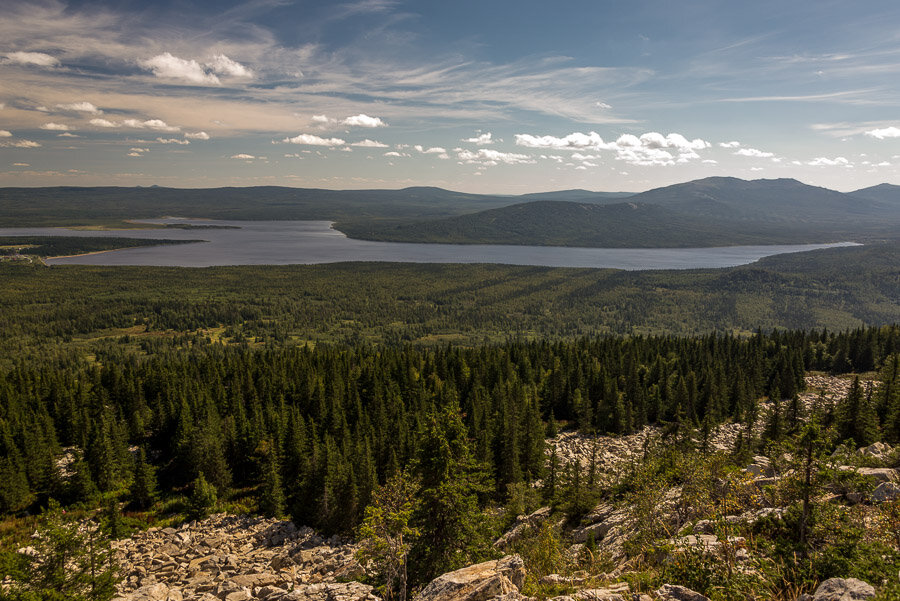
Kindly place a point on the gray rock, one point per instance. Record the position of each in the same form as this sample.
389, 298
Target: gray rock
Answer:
676, 592
886, 491
843, 589
478, 582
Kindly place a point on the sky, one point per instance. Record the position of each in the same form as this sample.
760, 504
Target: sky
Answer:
490, 96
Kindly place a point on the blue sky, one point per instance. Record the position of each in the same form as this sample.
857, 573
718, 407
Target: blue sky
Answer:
492, 96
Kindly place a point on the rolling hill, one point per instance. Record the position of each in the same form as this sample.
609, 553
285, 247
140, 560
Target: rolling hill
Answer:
709, 212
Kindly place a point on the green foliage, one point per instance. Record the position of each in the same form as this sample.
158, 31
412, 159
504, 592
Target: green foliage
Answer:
73, 561
387, 536
203, 498
143, 483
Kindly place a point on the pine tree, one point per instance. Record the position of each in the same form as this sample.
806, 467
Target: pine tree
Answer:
203, 498
387, 535
143, 483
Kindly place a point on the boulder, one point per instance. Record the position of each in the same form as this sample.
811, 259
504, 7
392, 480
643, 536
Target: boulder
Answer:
613, 592
886, 491
478, 582
676, 592
520, 526
843, 589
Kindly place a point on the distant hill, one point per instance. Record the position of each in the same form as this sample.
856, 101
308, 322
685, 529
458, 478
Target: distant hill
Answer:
72, 205
708, 212
884, 193
577, 195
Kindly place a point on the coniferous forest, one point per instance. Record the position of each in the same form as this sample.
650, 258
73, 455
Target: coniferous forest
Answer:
169, 408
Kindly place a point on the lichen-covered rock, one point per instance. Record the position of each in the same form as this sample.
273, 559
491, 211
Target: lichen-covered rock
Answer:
676, 592
478, 582
521, 525
886, 491
843, 589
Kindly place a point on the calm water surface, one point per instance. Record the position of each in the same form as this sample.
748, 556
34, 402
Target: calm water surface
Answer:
307, 242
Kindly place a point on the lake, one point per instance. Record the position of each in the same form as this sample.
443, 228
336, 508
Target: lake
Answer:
308, 242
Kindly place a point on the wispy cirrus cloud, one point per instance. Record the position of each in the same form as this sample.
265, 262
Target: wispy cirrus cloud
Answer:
39, 59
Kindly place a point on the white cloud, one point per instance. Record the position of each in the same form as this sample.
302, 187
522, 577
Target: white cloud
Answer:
167, 66
574, 140
103, 123
139, 149
223, 65
66, 134
31, 58
21, 165
5, 134
313, 140
362, 120
172, 141
710, 162
323, 120
753, 152
55, 126
367, 143
80, 107
243, 156
651, 148
156, 124
732, 144
200, 135
20, 144
432, 150
394, 153
886, 132
480, 140
826, 162
488, 157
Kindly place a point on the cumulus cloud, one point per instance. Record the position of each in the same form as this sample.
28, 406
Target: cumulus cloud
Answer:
156, 124
172, 141
489, 158
480, 140
80, 107
826, 162
753, 152
651, 148
55, 126
5, 134
432, 150
732, 144
394, 153
223, 65
367, 143
886, 132
31, 58
102, 123
362, 120
199, 135
313, 140
21, 164
167, 66
573, 140
66, 134
323, 120
246, 157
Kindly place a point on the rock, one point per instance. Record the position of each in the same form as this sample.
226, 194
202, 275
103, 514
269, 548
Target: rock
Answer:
478, 582
761, 466
675, 592
878, 450
881, 474
151, 592
843, 589
614, 592
520, 526
886, 491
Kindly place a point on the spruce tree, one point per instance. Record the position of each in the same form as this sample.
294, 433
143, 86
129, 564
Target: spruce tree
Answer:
143, 483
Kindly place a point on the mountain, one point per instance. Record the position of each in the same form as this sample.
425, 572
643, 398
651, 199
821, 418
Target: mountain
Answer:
71, 205
560, 223
762, 200
884, 193
708, 212
577, 195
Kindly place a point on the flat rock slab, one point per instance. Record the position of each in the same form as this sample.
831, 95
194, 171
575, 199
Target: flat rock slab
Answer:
478, 582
